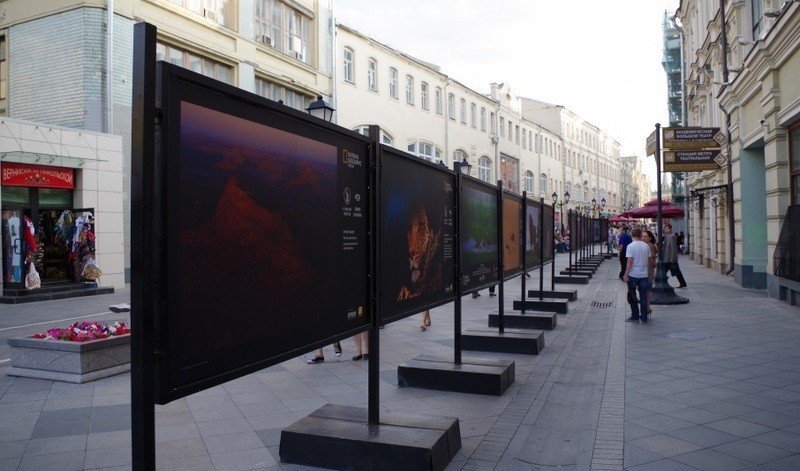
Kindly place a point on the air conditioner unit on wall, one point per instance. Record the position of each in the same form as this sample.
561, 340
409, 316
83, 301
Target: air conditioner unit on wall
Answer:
266, 40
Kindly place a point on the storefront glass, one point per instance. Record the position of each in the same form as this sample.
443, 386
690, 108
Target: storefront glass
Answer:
12, 246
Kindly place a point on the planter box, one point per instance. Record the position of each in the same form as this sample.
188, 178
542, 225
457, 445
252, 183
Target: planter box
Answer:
73, 362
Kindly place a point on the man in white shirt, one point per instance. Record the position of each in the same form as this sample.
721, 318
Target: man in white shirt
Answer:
638, 254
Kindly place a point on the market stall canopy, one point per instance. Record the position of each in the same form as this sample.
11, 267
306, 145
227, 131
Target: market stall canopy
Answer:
650, 210
620, 218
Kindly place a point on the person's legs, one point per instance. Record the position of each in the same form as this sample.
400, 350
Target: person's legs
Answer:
623, 264
675, 269
359, 346
319, 357
643, 285
632, 284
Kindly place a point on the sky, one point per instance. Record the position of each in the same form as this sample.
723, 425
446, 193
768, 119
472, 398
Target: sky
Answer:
599, 58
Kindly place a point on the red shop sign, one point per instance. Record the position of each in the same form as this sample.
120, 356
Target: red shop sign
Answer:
39, 176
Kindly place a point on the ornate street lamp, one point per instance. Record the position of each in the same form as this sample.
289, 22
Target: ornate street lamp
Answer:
464, 166
321, 109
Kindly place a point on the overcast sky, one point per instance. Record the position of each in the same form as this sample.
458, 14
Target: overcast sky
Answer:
599, 58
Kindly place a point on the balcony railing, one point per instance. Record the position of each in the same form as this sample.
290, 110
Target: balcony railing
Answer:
787, 253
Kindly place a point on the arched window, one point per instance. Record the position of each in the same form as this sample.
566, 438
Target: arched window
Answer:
529, 181
409, 89
438, 101
543, 184
348, 69
393, 82
423, 96
576, 193
425, 150
372, 74
485, 169
460, 156
451, 106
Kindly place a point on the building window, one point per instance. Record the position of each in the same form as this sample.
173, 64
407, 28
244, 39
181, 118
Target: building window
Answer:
794, 162
281, 27
451, 106
529, 181
438, 101
372, 74
473, 115
492, 123
463, 111
483, 119
393, 83
220, 11
484, 169
756, 14
502, 126
510, 129
3, 69
348, 72
425, 150
423, 96
386, 138
194, 62
277, 92
516, 134
409, 90
543, 184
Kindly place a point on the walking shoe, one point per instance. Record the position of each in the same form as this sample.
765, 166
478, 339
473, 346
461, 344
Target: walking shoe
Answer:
682, 286
644, 321
632, 319
491, 295
476, 295
337, 349
311, 361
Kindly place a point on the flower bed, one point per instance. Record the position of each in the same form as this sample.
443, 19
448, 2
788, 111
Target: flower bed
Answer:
82, 352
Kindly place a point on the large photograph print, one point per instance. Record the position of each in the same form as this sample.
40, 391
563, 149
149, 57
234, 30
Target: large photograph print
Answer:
532, 233
478, 235
271, 237
417, 236
512, 235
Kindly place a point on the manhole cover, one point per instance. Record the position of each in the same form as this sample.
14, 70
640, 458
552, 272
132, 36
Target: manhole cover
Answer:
692, 336
601, 304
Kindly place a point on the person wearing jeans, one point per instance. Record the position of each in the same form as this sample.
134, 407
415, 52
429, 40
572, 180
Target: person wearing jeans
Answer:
624, 240
638, 259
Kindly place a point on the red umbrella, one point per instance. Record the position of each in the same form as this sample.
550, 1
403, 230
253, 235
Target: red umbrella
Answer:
620, 218
650, 210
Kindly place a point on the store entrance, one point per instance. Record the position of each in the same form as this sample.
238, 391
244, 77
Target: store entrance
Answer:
38, 225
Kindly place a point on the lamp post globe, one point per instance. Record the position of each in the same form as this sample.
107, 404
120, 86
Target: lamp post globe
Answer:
566, 197
554, 197
321, 109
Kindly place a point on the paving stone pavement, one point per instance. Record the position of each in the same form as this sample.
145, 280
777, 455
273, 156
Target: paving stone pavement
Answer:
602, 394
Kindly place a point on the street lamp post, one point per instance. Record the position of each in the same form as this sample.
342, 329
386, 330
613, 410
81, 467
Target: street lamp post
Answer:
663, 293
321, 109
560, 204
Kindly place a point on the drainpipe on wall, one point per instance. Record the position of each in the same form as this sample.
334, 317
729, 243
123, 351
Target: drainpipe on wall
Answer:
334, 64
729, 195
446, 99
110, 66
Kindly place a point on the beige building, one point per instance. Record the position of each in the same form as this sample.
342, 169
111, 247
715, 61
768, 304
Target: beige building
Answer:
281, 49
746, 82
529, 145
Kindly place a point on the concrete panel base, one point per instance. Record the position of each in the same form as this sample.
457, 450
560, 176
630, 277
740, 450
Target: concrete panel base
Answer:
474, 375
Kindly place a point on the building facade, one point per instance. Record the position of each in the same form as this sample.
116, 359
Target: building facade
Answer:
281, 49
528, 144
742, 67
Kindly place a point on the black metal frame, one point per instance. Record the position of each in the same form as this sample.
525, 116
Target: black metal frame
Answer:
786, 258
491, 189
439, 168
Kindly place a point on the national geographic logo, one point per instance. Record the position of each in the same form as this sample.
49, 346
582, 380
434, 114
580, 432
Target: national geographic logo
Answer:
351, 159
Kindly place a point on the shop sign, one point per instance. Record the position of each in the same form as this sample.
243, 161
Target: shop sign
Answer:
693, 138
650, 144
38, 176
692, 161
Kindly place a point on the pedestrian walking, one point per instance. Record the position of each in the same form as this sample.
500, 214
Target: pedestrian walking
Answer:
426, 320
671, 245
362, 346
651, 265
624, 240
638, 257
319, 356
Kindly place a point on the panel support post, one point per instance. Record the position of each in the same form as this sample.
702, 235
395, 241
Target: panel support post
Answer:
143, 287
524, 237
501, 325
541, 248
457, 267
373, 367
